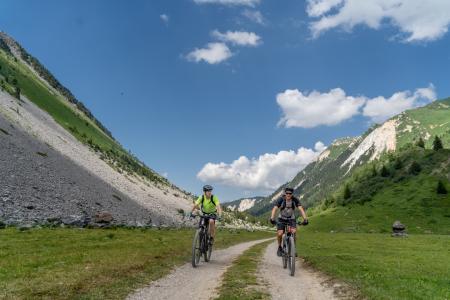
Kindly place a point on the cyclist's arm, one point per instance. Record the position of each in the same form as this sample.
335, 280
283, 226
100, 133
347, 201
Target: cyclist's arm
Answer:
219, 210
302, 212
196, 205
274, 211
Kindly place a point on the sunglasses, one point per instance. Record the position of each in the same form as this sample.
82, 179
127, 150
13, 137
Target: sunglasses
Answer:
288, 193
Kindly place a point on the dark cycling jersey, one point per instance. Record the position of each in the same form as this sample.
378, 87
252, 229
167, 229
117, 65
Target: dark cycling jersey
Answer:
287, 208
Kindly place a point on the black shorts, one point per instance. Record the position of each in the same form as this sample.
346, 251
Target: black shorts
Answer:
282, 222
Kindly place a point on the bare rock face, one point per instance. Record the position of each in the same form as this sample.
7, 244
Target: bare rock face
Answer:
398, 229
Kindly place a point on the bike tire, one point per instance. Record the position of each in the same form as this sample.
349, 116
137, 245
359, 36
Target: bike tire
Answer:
291, 256
196, 248
209, 252
205, 247
284, 256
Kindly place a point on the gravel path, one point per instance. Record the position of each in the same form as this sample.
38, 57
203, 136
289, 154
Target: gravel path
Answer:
189, 283
305, 285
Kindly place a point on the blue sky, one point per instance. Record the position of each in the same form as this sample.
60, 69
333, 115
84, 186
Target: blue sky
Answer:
278, 76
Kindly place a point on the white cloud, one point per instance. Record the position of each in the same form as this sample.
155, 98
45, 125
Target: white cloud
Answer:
317, 8
241, 38
319, 147
380, 109
165, 174
267, 172
164, 18
254, 15
315, 109
334, 107
214, 53
250, 3
418, 20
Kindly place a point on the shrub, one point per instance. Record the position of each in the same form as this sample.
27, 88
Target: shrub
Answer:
441, 189
420, 143
415, 168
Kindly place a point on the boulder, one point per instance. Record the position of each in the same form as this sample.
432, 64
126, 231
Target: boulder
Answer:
398, 229
75, 220
103, 217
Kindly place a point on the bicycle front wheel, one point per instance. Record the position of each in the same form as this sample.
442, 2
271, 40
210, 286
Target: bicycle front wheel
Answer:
291, 260
209, 251
196, 248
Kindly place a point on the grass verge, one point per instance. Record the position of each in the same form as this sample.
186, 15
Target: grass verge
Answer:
93, 263
240, 280
380, 266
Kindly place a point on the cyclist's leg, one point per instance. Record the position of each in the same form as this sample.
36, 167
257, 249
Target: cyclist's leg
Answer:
280, 231
212, 228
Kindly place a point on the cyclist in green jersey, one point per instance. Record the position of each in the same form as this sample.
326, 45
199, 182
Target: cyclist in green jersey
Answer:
209, 204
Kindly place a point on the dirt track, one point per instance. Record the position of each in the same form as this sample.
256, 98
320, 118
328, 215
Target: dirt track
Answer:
188, 283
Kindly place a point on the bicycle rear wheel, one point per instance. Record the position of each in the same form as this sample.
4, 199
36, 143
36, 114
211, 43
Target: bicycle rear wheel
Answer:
196, 248
291, 261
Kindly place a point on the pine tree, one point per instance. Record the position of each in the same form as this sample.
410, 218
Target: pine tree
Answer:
437, 144
374, 171
441, 189
347, 192
384, 172
420, 143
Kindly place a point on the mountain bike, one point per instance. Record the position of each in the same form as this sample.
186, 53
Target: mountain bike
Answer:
201, 242
288, 246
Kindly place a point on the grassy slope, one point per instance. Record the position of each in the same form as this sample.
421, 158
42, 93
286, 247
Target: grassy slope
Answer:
69, 117
94, 264
351, 239
55, 105
377, 201
431, 120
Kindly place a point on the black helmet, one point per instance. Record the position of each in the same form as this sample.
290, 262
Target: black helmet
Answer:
289, 190
207, 188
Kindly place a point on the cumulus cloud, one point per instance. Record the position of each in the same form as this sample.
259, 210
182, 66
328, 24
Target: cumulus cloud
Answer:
417, 20
254, 15
164, 18
250, 3
213, 53
380, 109
241, 38
267, 172
314, 109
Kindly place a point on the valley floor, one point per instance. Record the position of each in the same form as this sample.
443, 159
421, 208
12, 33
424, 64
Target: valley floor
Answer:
116, 263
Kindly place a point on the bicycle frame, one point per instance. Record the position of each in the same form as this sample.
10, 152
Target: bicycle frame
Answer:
288, 250
203, 247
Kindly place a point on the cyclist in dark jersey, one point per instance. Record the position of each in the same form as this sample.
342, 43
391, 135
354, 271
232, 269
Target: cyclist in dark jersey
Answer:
287, 204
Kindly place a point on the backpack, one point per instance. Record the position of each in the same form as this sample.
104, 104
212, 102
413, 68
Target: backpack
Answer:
212, 200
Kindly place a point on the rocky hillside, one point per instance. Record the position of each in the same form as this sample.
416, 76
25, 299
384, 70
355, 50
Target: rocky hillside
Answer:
60, 164
243, 204
343, 156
